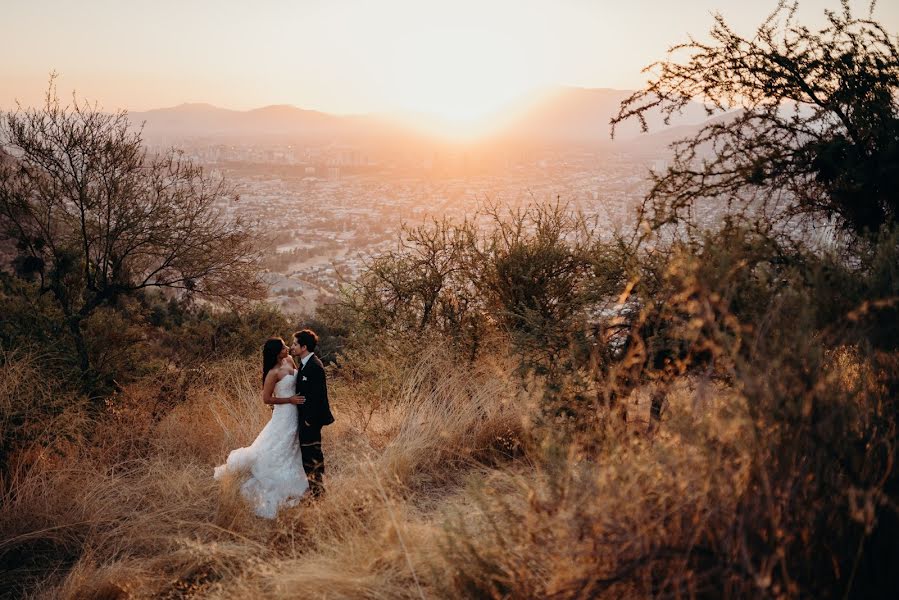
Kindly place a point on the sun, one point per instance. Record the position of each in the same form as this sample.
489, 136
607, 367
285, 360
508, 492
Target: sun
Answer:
461, 81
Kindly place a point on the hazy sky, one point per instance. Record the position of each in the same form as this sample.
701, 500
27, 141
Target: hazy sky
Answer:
448, 57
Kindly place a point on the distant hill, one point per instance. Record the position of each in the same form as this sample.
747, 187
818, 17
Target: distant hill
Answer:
206, 120
663, 138
580, 115
562, 115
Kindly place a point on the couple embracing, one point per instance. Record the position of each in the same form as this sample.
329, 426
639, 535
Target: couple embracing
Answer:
285, 461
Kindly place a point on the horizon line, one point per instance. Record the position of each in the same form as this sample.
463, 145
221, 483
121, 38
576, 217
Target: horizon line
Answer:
385, 112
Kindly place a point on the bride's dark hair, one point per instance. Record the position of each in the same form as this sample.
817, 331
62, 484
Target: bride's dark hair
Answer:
270, 351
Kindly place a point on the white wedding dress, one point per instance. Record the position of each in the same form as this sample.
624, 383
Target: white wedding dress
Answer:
273, 463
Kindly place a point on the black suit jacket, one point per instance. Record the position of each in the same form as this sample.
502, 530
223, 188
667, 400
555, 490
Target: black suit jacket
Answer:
312, 385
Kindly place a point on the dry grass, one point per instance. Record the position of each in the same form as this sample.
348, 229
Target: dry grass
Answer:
137, 514
445, 491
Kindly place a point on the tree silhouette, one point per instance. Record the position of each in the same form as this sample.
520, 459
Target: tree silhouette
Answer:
95, 216
814, 130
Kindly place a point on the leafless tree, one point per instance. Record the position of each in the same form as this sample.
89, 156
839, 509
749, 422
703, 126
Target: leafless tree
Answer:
814, 130
95, 215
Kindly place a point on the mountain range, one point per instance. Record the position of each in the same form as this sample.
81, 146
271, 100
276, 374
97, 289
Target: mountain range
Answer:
560, 116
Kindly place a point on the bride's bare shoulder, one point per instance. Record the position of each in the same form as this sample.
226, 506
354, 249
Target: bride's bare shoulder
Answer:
285, 368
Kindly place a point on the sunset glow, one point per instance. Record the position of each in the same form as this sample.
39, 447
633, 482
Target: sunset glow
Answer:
451, 67
457, 74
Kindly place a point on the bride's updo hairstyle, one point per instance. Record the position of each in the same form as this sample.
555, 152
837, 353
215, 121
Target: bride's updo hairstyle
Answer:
270, 351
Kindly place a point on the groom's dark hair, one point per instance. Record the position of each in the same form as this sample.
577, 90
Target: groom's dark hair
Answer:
307, 338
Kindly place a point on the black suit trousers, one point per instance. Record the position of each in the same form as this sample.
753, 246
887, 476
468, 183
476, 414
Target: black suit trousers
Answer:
313, 459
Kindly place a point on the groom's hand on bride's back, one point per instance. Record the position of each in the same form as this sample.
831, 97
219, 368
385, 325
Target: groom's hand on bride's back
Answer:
297, 399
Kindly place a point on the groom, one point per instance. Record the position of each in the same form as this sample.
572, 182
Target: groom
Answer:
314, 412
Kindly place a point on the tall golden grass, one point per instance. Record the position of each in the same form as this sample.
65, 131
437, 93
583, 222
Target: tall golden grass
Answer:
137, 514
448, 489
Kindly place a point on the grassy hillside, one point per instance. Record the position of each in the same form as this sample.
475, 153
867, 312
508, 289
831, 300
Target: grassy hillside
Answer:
501, 476
528, 405
136, 512
446, 490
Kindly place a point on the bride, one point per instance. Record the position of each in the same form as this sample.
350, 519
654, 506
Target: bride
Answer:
273, 463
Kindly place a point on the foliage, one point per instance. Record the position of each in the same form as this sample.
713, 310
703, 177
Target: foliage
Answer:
773, 473
29, 318
530, 275
95, 217
37, 414
815, 133
476, 370
135, 511
197, 333
420, 284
